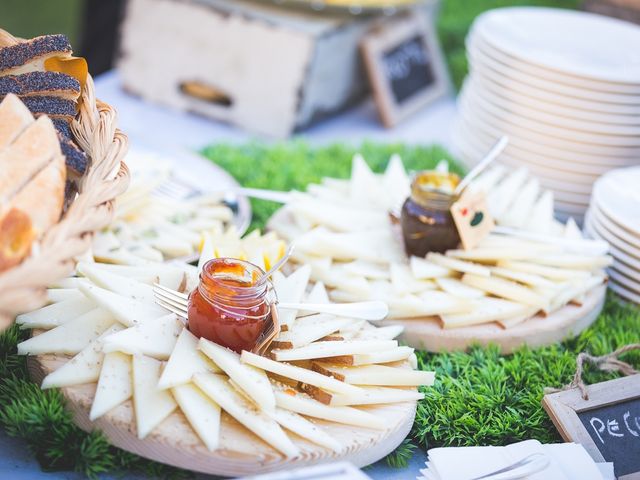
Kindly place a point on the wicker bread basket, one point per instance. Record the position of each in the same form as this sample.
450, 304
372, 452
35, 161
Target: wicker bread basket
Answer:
23, 288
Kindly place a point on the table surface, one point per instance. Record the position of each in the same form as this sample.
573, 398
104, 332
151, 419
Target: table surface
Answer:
148, 124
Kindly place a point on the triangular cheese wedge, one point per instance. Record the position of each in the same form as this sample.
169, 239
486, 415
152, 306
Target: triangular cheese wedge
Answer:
306, 429
309, 329
318, 294
423, 269
185, 361
56, 314
57, 295
395, 183
381, 333
504, 288
201, 411
384, 356
151, 405
220, 390
115, 384
253, 381
458, 265
455, 287
127, 311
488, 310
155, 338
83, 368
167, 275
116, 283
364, 186
375, 396
332, 349
291, 290
379, 375
70, 337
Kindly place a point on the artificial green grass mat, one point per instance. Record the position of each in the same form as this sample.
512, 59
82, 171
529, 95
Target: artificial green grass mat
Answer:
480, 397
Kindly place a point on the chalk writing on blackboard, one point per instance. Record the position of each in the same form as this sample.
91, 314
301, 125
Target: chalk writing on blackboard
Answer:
408, 68
615, 429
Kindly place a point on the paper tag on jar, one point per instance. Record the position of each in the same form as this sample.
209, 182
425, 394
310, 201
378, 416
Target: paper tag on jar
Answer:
472, 218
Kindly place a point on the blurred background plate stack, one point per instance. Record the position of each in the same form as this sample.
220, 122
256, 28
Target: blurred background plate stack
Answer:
564, 86
614, 216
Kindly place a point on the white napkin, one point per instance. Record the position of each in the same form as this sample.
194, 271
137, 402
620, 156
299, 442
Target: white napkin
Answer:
566, 461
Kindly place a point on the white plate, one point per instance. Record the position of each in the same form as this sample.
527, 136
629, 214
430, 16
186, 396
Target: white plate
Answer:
617, 194
536, 100
630, 249
478, 61
626, 270
624, 292
504, 105
577, 43
477, 40
623, 235
622, 280
591, 230
632, 142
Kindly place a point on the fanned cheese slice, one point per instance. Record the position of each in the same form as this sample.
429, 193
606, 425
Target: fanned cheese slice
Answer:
291, 289
553, 273
167, 275
306, 429
70, 337
385, 356
126, 310
523, 277
236, 405
56, 295
201, 411
333, 349
116, 283
296, 373
369, 396
253, 381
83, 368
369, 270
395, 183
423, 269
381, 333
506, 289
433, 302
364, 185
114, 385
301, 403
489, 310
404, 282
151, 405
69, 282
156, 338
185, 361
56, 314
309, 329
458, 265
455, 287
380, 375
578, 262
318, 294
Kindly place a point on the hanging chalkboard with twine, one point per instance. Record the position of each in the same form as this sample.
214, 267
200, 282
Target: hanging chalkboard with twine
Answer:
603, 417
405, 65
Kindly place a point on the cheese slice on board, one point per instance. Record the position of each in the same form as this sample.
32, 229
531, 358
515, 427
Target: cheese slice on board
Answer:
114, 385
124, 286
458, 265
489, 310
507, 289
430, 303
253, 381
291, 289
70, 337
309, 329
523, 277
167, 275
573, 261
333, 349
56, 314
552, 273
423, 269
220, 390
384, 356
368, 396
201, 411
151, 405
306, 429
56, 295
69, 282
185, 361
318, 294
296, 373
301, 403
155, 338
381, 333
455, 287
127, 311
379, 375
83, 368
404, 282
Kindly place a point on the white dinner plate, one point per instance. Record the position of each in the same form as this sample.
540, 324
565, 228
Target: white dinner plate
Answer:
623, 235
616, 253
505, 105
480, 61
589, 138
531, 100
624, 280
569, 41
624, 292
617, 195
615, 241
519, 64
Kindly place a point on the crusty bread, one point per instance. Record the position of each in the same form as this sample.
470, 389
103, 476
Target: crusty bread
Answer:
15, 117
49, 84
16, 238
30, 55
53, 107
43, 196
33, 150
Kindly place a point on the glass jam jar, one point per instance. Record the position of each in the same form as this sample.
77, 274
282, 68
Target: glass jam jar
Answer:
426, 220
228, 307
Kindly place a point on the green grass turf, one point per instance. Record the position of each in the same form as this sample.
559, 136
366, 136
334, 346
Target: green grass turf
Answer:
479, 398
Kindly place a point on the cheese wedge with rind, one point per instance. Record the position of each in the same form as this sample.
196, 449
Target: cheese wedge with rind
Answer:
155, 338
423, 269
506, 289
375, 396
458, 265
126, 310
114, 385
488, 310
309, 329
56, 314
552, 273
384, 356
332, 349
70, 337
56, 295
305, 429
151, 405
291, 289
185, 361
455, 287
253, 381
378, 375
83, 368
117, 283
201, 411
296, 373
218, 388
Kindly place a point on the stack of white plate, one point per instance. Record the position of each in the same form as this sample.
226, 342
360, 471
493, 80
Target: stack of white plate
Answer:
614, 216
564, 86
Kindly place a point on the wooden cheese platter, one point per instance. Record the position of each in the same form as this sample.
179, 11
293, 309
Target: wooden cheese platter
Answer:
240, 453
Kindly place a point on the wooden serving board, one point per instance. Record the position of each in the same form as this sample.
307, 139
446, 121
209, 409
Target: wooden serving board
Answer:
240, 453
427, 333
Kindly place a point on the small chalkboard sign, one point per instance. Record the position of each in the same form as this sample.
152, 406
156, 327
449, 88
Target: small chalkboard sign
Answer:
405, 66
607, 424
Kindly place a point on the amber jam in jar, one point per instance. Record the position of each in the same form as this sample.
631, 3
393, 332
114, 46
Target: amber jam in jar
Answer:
228, 307
426, 220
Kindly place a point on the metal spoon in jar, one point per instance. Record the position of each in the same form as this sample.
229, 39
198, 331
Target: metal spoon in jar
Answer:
276, 266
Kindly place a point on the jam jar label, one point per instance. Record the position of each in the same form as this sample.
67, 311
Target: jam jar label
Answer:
472, 218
